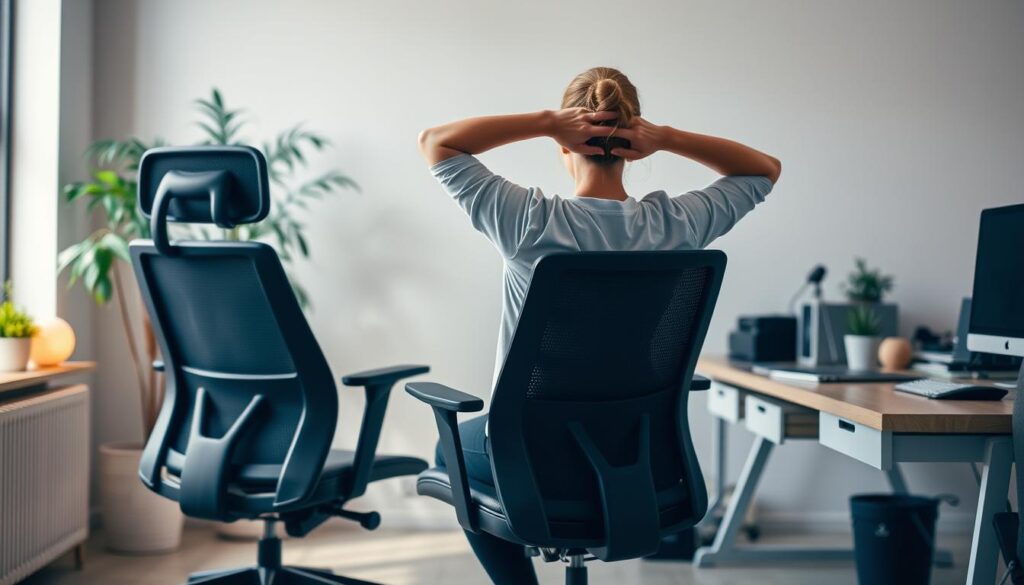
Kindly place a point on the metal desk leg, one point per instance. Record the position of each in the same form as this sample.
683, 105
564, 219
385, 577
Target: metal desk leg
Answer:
718, 447
724, 550
896, 480
725, 537
898, 483
995, 482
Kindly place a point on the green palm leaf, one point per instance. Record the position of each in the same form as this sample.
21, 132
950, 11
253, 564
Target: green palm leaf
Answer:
113, 184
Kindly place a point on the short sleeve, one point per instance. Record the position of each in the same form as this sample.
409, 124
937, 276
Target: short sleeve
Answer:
497, 207
711, 212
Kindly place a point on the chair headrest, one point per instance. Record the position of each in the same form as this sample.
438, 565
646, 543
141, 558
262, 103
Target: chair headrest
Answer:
223, 185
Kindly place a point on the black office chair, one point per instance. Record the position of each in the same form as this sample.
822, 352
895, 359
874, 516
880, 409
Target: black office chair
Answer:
588, 432
246, 427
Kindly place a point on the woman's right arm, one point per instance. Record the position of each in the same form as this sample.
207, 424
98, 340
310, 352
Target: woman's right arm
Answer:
495, 205
570, 127
724, 156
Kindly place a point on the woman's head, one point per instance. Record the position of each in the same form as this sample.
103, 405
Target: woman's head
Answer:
604, 89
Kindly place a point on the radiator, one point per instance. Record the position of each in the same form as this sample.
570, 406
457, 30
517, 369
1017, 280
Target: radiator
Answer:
44, 478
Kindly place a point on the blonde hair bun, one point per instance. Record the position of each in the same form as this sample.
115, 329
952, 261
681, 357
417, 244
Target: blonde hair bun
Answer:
603, 89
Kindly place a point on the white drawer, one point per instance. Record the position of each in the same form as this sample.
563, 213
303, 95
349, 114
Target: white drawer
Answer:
863, 443
776, 420
725, 402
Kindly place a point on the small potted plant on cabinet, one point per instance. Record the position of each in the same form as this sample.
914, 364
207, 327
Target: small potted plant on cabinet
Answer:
862, 338
16, 330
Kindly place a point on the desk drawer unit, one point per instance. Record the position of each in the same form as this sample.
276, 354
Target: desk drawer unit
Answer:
776, 420
725, 401
861, 442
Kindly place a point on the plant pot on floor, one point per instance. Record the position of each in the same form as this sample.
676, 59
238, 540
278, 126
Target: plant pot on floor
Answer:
135, 520
14, 352
861, 351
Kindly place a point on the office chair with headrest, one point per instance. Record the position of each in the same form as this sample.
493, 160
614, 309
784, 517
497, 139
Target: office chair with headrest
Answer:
588, 432
251, 407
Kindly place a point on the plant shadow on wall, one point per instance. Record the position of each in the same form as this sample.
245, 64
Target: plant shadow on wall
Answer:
99, 262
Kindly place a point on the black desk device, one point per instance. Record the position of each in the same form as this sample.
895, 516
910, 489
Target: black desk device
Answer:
764, 338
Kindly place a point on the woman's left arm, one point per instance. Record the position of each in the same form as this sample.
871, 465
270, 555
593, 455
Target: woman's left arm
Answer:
571, 128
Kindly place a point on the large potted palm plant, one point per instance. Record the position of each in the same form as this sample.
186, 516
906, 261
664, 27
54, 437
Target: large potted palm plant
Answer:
135, 520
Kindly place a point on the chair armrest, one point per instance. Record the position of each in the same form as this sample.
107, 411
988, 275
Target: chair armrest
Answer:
699, 383
383, 375
377, 384
447, 403
443, 397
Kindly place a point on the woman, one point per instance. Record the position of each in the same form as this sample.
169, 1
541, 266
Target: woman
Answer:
599, 129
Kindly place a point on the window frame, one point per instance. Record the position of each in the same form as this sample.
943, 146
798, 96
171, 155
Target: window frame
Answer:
6, 54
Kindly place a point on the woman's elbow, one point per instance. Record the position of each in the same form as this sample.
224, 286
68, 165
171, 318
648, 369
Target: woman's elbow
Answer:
426, 140
775, 170
432, 146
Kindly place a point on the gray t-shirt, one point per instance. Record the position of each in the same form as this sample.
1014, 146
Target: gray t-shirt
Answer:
525, 226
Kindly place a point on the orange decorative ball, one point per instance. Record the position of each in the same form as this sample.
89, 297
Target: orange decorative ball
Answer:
53, 342
895, 353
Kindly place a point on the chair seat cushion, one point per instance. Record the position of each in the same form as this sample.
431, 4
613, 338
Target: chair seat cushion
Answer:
252, 488
435, 483
338, 466
575, 524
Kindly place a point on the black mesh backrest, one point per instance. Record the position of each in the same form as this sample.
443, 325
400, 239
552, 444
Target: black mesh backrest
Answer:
228, 323
644, 320
606, 341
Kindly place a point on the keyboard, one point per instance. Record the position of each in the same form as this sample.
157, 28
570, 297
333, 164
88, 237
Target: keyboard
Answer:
944, 390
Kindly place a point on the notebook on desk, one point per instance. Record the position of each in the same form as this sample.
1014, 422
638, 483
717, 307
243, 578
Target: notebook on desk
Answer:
827, 374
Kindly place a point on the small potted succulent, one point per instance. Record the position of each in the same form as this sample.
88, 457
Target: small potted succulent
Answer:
16, 330
866, 288
862, 338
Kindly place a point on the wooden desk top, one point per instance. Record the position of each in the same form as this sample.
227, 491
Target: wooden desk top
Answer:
878, 406
36, 376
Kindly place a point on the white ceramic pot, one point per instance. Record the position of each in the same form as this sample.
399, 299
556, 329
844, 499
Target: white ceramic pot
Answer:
14, 352
861, 351
135, 520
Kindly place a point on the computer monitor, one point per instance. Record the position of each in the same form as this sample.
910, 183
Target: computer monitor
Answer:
997, 308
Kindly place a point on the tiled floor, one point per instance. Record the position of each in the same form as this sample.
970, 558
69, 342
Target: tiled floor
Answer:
412, 558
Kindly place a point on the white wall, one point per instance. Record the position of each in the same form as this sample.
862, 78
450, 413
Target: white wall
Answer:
74, 223
896, 123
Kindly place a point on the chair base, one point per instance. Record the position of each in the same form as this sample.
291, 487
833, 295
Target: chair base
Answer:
278, 576
269, 570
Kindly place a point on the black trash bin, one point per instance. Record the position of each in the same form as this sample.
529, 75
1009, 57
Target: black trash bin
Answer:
894, 538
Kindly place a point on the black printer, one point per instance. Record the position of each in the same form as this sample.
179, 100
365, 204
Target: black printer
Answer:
764, 338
